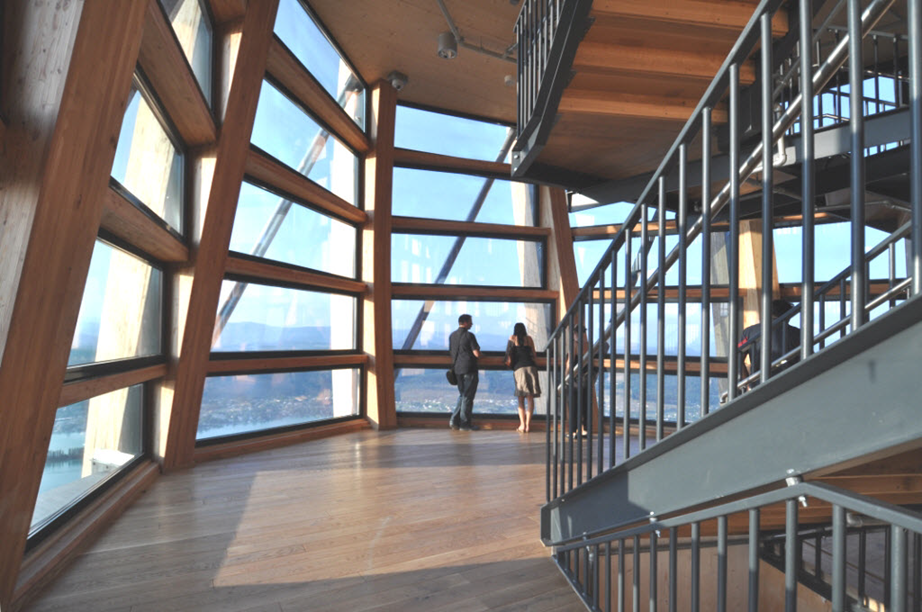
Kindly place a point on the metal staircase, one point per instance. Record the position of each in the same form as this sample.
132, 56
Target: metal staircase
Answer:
652, 477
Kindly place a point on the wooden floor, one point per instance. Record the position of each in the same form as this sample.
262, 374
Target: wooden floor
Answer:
413, 519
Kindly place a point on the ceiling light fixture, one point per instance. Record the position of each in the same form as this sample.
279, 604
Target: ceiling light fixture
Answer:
448, 46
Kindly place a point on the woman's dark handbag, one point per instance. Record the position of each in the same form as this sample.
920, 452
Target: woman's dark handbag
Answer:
452, 377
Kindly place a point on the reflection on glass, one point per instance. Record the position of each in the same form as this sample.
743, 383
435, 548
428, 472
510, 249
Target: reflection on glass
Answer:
272, 226
91, 441
254, 402
613, 214
193, 29
120, 312
460, 261
268, 318
425, 325
146, 162
432, 132
287, 133
294, 26
425, 390
444, 195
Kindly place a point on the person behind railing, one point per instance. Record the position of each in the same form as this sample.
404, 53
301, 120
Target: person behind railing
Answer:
785, 338
581, 411
520, 357
465, 351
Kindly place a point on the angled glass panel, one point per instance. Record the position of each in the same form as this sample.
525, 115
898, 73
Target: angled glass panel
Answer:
147, 162
445, 195
274, 227
270, 318
192, 25
120, 315
422, 325
432, 132
295, 27
425, 390
283, 130
460, 261
91, 441
246, 403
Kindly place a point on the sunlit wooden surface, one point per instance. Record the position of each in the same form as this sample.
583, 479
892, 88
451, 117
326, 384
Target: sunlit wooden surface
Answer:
412, 519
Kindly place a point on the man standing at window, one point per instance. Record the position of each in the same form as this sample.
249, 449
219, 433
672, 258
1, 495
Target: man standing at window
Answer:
465, 351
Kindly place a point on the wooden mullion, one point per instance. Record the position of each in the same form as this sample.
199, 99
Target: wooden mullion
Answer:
562, 262
285, 68
464, 292
80, 390
230, 162
61, 159
227, 10
416, 225
165, 66
126, 221
448, 163
269, 272
225, 365
263, 168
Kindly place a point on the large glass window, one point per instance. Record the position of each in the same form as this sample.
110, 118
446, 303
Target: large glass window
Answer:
147, 161
257, 317
295, 27
454, 197
447, 134
91, 441
422, 325
285, 131
273, 226
460, 261
245, 403
120, 315
425, 390
192, 24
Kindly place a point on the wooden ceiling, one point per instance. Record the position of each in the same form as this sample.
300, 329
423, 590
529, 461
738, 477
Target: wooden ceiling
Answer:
384, 35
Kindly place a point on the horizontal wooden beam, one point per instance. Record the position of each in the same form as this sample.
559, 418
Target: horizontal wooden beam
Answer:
227, 10
78, 391
632, 105
654, 62
413, 225
595, 232
291, 74
447, 163
265, 169
466, 292
170, 75
728, 14
131, 224
267, 271
217, 365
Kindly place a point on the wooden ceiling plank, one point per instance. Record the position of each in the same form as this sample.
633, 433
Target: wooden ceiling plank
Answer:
131, 224
284, 274
655, 61
288, 71
268, 170
169, 73
624, 105
728, 14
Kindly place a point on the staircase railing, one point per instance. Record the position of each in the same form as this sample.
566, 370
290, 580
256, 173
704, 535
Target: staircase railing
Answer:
600, 354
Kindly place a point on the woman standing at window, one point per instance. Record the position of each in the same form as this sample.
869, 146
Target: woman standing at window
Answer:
520, 356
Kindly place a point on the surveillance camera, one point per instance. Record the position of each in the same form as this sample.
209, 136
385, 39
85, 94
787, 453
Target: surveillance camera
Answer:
397, 79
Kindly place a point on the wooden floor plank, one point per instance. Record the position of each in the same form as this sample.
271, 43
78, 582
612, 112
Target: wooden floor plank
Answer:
410, 519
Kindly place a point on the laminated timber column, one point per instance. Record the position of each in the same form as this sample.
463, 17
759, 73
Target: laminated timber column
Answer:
376, 260
65, 88
751, 272
210, 256
562, 263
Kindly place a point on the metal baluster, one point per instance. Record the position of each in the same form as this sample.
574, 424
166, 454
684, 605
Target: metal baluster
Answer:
626, 426
551, 418
612, 369
722, 563
856, 127
818, 556
705, 260
891, 280
600, 393
754, 560
898, 557
822, 301
916, 573
897, 81
578, 424
888, 566
733, 247
683, 273
661, 310
767, 201
862, 565
843, 300
673, 569
642, 423
550, 472
808, 193
636, 571
621, 590
791, 556
587, 407
915, 128
695, 567
838, 96
571, 405
651, 591
607, 576
838, 558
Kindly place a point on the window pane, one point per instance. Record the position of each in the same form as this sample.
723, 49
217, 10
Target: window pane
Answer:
90, 442
614, 214
426, 390
448, 135
287, 133
444, 195
147, 164
298, 31
420, 259
268, 318
493, 323
193, 29
120, 312
254, 402
272, 226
